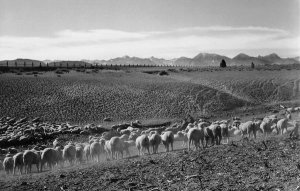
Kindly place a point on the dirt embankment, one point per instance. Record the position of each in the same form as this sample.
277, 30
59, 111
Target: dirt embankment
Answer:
89, 98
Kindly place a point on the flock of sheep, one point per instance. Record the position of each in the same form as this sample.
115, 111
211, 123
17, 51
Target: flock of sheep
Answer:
147, 141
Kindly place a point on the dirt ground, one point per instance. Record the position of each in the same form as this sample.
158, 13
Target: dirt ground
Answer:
240, 165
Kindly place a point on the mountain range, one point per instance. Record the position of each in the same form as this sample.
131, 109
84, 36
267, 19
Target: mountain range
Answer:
202, 59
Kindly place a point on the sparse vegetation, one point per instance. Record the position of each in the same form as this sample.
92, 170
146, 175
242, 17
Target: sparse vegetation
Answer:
163, 73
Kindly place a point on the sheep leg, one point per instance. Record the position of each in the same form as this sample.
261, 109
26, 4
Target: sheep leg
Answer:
37, 167
112, 155
206, 141
202, 143
189, 145
196, 145
127, 152
254, 134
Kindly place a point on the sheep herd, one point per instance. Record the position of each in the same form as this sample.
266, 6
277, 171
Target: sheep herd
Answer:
115, 144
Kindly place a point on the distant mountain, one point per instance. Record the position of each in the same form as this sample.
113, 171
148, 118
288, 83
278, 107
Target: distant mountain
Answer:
297, 58
126, 60
182, 61
246, 60
202, 59
271, 58
275, 59
242, 56
21, 61
208, 59
161, 61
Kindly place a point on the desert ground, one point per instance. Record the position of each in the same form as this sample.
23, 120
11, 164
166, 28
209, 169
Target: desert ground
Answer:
145, 94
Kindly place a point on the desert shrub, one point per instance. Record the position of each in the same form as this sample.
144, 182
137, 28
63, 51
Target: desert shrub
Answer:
14, 71
59, 72
95, 70
172, 70
80, 70
151, 71
162, 73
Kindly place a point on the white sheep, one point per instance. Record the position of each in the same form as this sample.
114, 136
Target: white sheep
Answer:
154, 141
247, 128
56, 143
214, 132
8, 164
181, 136
133, 136
124, 137
270, 119
267, 126
125, 132
79, 152
142, 143
87, 151
95, 150
126, 146
167, 139
189, 126
116, 146
31, 157
294, 130
69, 153
195, 136
49, 156
202, 125
290, 109
18, 162
59, 151
225, 131
282, 125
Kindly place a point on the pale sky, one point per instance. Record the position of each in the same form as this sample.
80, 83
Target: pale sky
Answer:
98, 29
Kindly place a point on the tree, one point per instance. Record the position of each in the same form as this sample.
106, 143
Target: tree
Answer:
252, 65
223, 64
